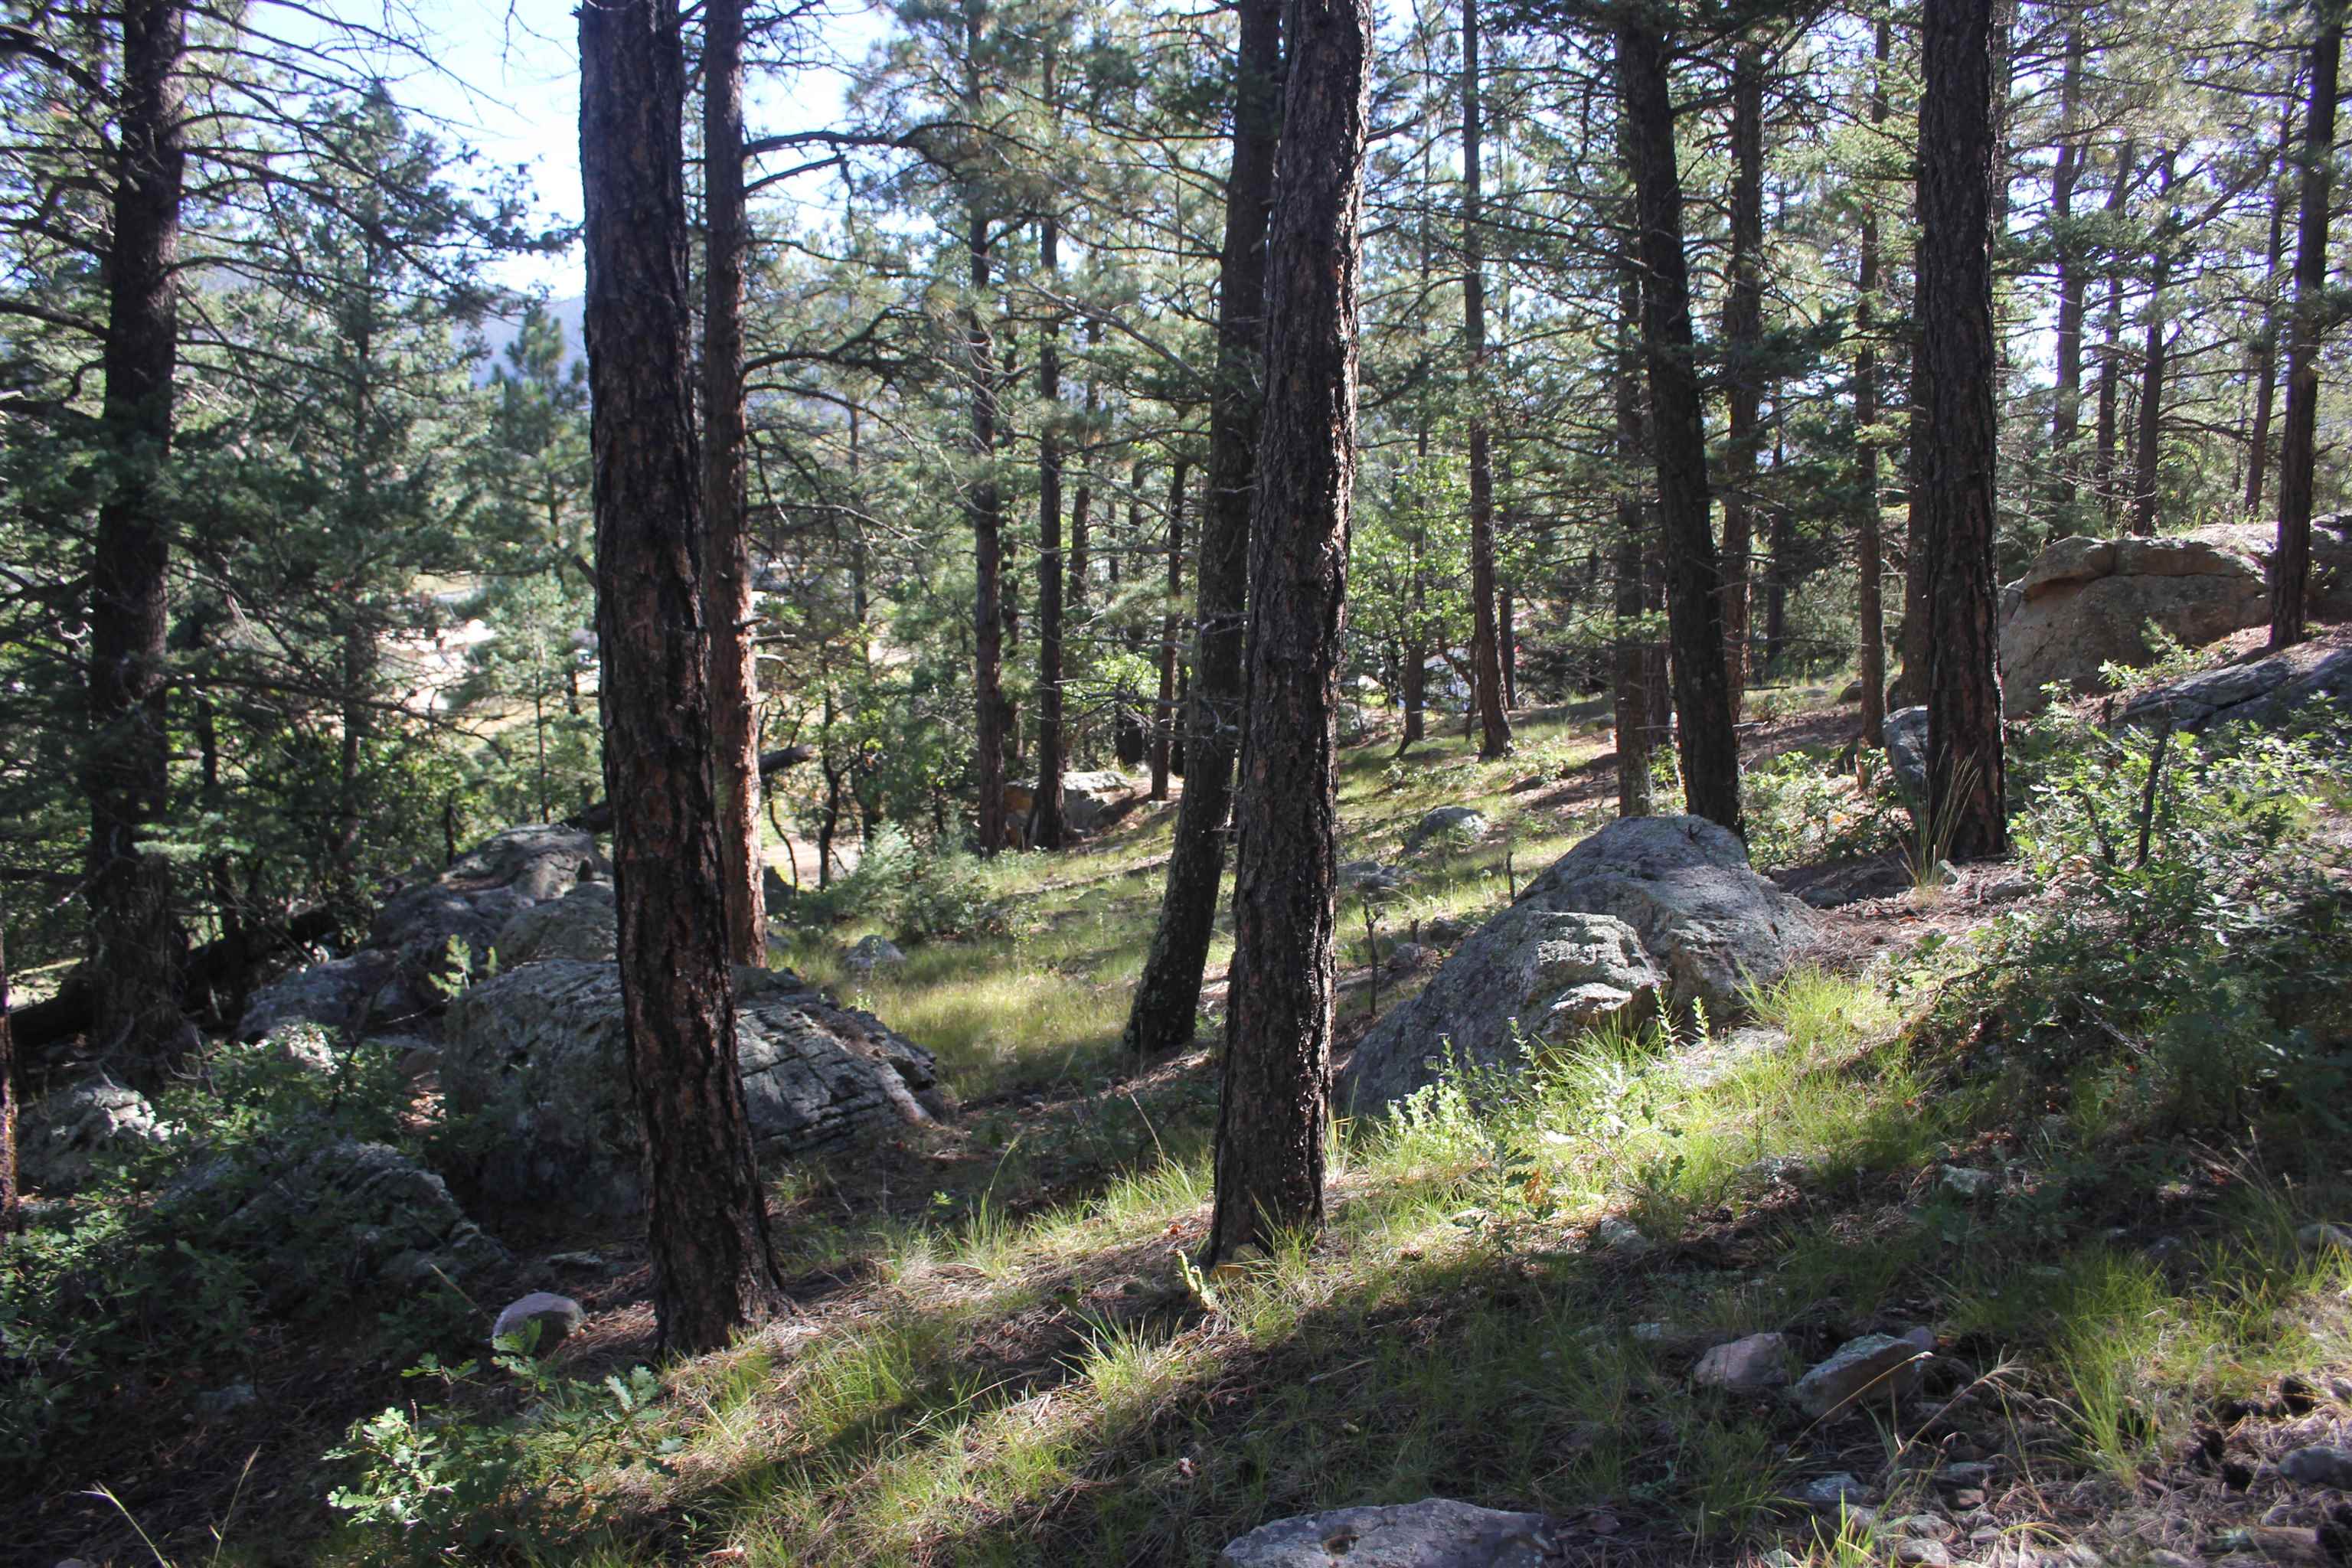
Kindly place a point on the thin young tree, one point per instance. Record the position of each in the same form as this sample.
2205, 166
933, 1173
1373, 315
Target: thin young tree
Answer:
1274, 1110
1636, 793
1870, 582
727, 553
1168, 995
2291, 564
1956, 439
713, 1269
1709, 736
1743, 345
1485, 638
8, 1097
1047, 825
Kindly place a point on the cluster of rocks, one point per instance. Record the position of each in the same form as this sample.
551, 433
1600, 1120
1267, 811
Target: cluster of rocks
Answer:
501, 973
1649, 915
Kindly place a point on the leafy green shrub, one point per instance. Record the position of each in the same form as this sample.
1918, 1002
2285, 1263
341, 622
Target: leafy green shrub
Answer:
2202, 960
449, 1485
1798, 810
146, 1273
919, 893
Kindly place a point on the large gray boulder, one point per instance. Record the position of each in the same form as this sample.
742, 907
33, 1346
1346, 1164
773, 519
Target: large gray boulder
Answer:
536, 1056
2266, 692
583, 924
334, 995
1435, 1532
64, 1137
2085, 602
335, 1217
1648, 913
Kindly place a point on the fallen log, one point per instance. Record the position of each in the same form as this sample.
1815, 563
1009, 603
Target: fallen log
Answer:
72, 1010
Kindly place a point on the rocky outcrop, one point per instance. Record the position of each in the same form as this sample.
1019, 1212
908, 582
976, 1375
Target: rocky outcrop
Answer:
2264, 691
582, 925
1648, 913
400, 979
63, 1138
2086, 602
337, 1217
1435, 1532
537, 1058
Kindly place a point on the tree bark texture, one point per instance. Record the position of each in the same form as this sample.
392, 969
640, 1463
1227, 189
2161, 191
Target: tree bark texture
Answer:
2103, 456
1273, 1111
985, 508
1163, 715
713, 1271
1486, 641
727, 551
1870, 565
1708, 740
2145, 477
2266, 369
1636, 794
1168, 995
2066, 404
1047, 829
1965, 773
1743, 342
2291, 564
135, 939
7, 1098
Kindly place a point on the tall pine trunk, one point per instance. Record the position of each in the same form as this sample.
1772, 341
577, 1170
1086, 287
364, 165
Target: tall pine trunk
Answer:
713, 1269
1047, 829
2291, 564
135, 939
1869, 566
1273, 1111
2066, 406
2102, 458
1709, 739
1743, 334
1164, 716
726, 550
1168, 995
2152, 367
2266, 367
1485, 643
1965, 773
7, 1098
1636, 794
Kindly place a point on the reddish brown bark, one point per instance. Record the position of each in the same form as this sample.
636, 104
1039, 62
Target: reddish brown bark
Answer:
1956, 440
1486, 641
1168, 995
2291, 564
726, 550
1273, 1109
713, 1269
1708, 740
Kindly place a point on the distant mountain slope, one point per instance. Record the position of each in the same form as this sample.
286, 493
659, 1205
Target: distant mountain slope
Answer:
498, 332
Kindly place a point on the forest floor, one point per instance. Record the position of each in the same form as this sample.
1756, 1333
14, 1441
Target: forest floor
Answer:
999, 1355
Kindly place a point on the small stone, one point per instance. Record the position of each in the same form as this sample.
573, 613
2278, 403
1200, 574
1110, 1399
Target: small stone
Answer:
2325, 1237
1922, 1552
1436, 1533
1835, 1492
577, 1262
871, 953
1967, 1498
1407, 956
216, 1403
2081, 1557
1967, 1473
1654, 1333
1963, 1182
1759, 1361
2319, 1466
2163, 1559
1623, 1237
556, 1316
1872, 1368
1926, 1526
